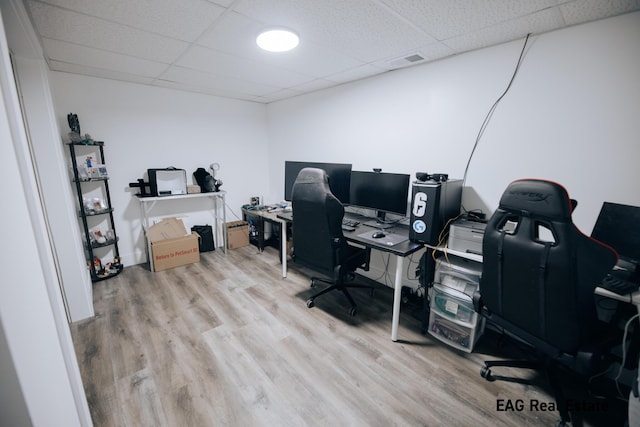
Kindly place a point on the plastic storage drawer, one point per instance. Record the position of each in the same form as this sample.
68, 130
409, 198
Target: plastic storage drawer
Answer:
454, 305
456, 334
459, 274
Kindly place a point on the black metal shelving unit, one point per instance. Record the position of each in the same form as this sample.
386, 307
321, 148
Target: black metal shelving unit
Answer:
97, 269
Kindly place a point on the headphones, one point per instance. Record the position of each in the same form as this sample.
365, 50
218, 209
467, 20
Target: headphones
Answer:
439, 177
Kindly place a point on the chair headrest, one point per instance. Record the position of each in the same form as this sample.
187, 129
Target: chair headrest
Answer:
537, 198
312, 176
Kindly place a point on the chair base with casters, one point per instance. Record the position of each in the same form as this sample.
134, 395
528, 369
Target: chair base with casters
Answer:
339, 287
342, 274
556, 375
549, 369
591, 360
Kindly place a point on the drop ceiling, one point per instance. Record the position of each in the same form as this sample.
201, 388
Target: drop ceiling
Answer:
209, 46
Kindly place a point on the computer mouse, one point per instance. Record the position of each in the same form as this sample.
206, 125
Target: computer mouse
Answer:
378, 235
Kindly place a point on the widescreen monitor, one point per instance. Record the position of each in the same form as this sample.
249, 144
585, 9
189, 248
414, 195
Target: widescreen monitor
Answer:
380, 191
339, 177
619, 227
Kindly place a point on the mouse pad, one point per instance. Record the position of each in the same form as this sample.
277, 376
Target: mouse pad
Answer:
389, 240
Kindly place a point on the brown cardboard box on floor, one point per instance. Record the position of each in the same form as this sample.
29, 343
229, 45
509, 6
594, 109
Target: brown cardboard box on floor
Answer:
171, 246
237, 234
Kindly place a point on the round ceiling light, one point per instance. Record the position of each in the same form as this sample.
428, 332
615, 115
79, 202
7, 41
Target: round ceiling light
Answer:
277, 40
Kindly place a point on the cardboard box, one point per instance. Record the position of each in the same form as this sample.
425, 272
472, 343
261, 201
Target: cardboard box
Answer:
171, 246
237, 234
167, 228
172, 253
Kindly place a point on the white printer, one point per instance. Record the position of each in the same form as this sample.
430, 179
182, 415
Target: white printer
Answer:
466, 234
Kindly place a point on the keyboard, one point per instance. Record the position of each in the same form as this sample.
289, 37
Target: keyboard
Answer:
350, 222
618, 285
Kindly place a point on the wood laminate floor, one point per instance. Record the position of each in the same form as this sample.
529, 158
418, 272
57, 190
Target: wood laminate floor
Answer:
228, 342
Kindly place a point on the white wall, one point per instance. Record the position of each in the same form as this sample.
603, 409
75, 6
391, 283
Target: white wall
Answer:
53, 182
571, 116
38, 369
145, 127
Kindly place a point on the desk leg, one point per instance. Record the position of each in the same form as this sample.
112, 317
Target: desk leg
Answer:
224, 223
145, 230
283, 239
397, 297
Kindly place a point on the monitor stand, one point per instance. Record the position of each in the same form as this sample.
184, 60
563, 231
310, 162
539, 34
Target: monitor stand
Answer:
380, 222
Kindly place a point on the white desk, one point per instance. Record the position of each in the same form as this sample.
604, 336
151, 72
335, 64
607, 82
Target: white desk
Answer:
401, 250
273, 216
633, 298
147, 204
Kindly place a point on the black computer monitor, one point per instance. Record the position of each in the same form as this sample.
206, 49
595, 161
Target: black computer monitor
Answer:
339, 177
619, 227
383, 192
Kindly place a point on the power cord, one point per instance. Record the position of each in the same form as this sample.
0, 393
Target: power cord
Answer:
624, 353
485, 123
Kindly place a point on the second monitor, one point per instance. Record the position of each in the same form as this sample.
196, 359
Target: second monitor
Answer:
382, 192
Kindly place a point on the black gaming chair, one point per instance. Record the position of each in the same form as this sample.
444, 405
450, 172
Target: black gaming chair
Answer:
318, 242
539, 273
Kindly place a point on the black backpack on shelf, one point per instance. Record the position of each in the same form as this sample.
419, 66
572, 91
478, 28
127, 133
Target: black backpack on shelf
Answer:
204, 179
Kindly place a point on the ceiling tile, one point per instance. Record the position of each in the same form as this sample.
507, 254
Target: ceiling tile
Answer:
282, 94
314, 85
236, 34
361, 28
183, 20
444, 19
537, 23
55, 23
224, 3
588, 10
85, 56
98, 72
223, 64
233, 33
355, 73
201, 90
207, 80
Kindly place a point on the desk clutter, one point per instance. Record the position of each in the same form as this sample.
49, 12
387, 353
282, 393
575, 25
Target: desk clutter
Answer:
276, 207
171, 181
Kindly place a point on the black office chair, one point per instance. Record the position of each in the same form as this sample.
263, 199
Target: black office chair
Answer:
318, 242
539, 273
